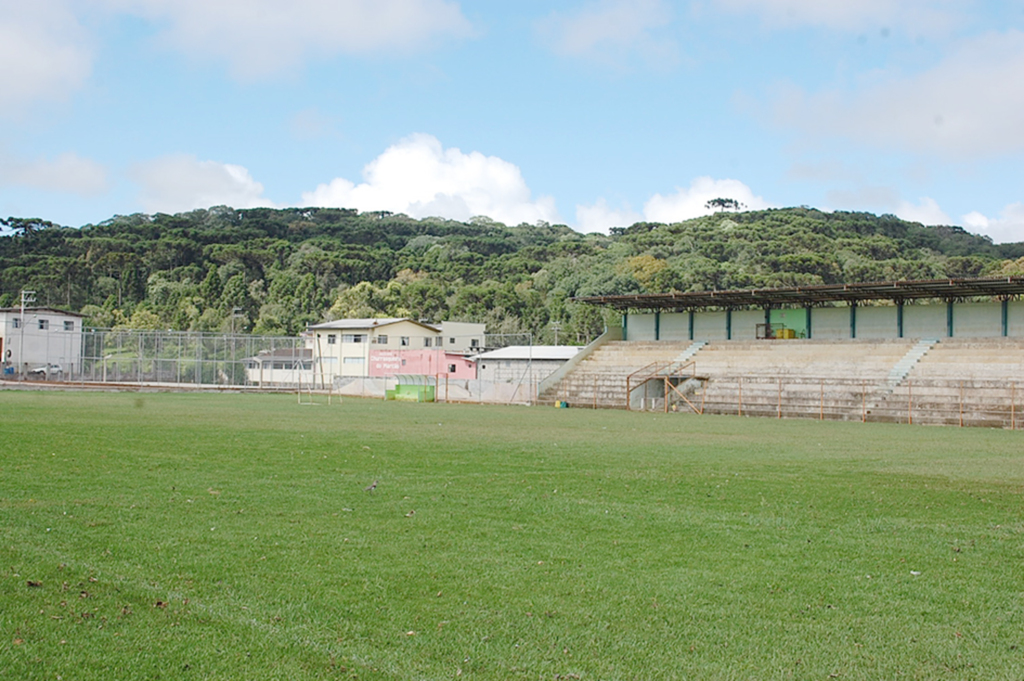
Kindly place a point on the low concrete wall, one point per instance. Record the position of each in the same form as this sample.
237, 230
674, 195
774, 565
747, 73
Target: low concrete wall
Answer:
612, 333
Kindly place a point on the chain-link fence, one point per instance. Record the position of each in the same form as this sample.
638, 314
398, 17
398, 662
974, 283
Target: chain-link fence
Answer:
177, 357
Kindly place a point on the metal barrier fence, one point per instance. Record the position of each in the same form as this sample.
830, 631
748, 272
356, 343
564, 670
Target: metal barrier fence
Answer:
174, 357
967, 402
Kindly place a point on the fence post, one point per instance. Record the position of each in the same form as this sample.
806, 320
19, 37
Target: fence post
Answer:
780, 397
863, 402
961, 404
821, 402
910, 403
739, 396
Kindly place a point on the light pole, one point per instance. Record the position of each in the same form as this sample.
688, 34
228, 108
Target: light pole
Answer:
26, 297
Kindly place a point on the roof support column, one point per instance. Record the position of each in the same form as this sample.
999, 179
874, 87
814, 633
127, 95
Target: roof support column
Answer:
949, 318
853, 320
899, 319
808, 308
728, 324
1005, 315
625, 325
691, 324
657, 326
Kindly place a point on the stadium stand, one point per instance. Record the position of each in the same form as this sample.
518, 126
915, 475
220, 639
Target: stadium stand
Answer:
971, 380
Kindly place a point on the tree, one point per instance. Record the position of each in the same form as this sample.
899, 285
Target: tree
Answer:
724, 204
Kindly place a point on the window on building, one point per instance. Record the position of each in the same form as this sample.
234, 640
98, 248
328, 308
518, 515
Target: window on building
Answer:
279, 365
474, 343
403, 362
405, 340
382, 340
451, 368
69, 326
44, 324
353, 338
427, 342
353, 360
332, 339
307, 366
451, 341
17, 323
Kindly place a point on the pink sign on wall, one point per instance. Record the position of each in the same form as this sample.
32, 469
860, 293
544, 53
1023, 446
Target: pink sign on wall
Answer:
425, 362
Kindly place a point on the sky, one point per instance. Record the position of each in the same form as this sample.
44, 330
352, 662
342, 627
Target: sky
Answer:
590, 113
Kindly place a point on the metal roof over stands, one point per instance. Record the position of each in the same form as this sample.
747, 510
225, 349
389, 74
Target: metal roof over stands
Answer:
802, 296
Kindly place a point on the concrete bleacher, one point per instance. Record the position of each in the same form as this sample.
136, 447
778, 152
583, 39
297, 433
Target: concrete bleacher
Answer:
951, 381
600, 379
970, 381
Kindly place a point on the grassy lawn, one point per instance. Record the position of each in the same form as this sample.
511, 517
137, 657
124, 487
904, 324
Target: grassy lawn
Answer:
230, 537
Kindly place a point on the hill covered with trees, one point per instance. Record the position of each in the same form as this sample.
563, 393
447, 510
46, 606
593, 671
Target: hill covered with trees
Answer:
273, 271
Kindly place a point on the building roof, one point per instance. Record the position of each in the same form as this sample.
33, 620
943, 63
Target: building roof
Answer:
528, 352
285, 353
36, 310
895, 291
376, 323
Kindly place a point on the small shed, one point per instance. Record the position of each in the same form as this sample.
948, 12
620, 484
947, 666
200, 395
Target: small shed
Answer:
517, 363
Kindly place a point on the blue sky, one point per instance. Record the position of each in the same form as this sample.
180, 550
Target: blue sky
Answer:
592, 113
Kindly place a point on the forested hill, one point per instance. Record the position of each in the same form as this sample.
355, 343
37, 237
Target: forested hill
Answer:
274, 271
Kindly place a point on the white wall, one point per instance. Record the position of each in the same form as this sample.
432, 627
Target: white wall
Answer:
640, 327
830, 323
1015, 315
877, 322
709, 325
977, 320
53, 345
675, 326
925, 321
744, 324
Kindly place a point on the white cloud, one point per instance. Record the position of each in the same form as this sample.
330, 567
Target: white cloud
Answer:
68, 173
45, 54
177, 183
610, 30
600, 217
685, 203
258, 38
1008, 227
927, 212
420, 178
966, 106
918, 17
691, 202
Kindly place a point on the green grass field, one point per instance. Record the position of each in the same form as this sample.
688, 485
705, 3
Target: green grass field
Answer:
230, 537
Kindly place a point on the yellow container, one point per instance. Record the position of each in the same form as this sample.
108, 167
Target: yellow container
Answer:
785, 333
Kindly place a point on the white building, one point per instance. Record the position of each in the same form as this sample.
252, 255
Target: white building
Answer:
281, 367
522, 362
46, 339
386, 346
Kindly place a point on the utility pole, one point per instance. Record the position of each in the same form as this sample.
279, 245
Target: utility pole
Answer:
556, 326
26, 298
